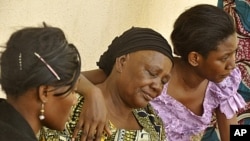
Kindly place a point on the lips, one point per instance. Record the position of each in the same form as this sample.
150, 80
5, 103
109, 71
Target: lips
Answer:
147, 97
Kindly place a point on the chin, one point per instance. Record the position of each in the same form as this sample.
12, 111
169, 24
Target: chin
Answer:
142, 105
57, 127
218, 80
60, 128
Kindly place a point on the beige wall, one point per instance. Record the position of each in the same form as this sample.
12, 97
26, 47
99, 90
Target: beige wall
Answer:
92, 24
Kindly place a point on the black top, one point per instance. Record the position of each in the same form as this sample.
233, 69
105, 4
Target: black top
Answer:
13, 127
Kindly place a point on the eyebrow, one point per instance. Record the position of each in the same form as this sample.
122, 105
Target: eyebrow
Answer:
232, 52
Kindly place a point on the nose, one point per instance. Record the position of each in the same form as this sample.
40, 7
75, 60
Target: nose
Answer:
157, 86
231, 64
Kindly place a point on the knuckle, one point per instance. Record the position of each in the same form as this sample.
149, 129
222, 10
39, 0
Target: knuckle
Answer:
78, 126
90, 137
84, 132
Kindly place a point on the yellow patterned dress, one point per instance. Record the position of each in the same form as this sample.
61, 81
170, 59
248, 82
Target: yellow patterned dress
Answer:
152, 127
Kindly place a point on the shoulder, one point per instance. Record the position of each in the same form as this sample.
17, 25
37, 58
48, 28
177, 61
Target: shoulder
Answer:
228, 86
225, 93
9, 132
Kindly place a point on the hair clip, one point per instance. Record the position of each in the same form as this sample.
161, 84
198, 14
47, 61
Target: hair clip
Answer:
48, 66
20, 61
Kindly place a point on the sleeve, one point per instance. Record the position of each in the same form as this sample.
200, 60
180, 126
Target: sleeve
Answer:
230, 101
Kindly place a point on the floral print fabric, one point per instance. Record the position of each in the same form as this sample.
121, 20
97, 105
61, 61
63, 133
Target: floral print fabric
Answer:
181, 124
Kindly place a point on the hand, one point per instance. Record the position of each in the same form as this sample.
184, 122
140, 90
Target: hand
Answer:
93, 118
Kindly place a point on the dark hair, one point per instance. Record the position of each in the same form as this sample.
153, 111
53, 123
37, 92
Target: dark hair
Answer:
38, 56
132, 40
201, 28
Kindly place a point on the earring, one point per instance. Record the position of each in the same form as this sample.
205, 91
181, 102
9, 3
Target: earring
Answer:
41, 116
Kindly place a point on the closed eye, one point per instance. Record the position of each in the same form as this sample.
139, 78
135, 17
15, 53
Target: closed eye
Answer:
152, 74
164, 80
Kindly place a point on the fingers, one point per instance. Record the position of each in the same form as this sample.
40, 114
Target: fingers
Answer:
77, 129
85, 132
92, 119
99, 132
93, 134
107, 129
90, 132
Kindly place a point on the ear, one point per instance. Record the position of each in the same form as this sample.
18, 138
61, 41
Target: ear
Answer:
194, 58
120, 62
43, 93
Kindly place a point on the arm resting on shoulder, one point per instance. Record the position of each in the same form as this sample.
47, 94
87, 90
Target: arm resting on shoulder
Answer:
95, 76
93, 117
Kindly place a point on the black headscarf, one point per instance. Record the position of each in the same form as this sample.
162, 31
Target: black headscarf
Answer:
132, 40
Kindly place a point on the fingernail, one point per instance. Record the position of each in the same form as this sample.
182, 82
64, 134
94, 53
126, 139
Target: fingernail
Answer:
73, 139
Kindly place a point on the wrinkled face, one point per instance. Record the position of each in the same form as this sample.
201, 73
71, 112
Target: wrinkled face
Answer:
219, 63
58, 108
142, 76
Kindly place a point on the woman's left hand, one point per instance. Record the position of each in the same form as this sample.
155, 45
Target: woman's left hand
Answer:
93, 118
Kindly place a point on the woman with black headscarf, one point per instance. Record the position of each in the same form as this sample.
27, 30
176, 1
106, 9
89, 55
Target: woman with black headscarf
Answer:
137, 65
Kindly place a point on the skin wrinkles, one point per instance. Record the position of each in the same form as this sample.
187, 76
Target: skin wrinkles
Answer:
144, 81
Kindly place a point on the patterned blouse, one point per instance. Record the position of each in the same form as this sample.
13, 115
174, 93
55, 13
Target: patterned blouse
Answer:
152, 128
181, 124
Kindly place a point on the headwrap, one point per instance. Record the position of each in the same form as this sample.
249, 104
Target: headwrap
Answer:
132, 40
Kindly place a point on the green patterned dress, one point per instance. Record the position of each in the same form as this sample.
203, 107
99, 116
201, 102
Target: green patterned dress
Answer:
152, 127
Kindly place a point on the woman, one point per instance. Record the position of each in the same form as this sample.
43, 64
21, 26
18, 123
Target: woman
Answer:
137, 65
39, 70
240, 10
204, 79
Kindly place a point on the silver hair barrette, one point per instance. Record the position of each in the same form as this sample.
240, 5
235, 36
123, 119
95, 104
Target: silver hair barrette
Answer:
20, 61
48, 66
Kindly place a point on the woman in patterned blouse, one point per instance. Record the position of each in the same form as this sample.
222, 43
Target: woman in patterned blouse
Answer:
137, 65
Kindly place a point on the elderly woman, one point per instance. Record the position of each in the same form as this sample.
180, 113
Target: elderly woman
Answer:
204, 79
137, 64
39, 70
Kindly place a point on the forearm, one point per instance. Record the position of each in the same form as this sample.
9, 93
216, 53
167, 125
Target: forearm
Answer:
224, 125
88, 79
84, 86
94, 113
94, 76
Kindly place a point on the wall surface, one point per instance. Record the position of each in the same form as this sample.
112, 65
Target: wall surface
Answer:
92, 24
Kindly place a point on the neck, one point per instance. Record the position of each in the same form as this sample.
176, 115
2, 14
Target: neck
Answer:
186, 74
117, 108
25, 105
120, 113
112, 98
